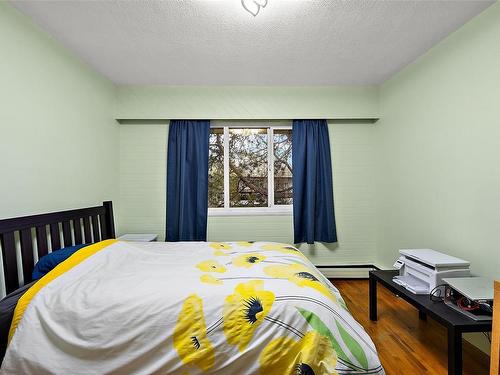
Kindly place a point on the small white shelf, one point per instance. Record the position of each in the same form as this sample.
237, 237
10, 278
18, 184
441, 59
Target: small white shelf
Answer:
138, 237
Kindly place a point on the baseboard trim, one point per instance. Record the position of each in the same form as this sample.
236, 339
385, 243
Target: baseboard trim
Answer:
347, 271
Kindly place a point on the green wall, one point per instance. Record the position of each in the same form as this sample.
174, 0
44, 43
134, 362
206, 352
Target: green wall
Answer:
143, 156
58, 138
439, 151
156, 102
142, 194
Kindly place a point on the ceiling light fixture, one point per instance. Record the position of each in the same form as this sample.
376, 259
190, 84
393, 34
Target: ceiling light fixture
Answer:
253, 6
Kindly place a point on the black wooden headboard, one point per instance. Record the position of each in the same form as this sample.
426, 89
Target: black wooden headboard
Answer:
64, 229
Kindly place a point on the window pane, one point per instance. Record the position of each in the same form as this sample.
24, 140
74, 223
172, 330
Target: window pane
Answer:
248, 167
216, 168
283, 193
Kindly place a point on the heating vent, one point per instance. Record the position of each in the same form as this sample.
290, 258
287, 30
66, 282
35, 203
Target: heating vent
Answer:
347, 272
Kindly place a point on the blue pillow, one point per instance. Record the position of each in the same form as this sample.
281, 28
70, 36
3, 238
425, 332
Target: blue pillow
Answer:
50, 261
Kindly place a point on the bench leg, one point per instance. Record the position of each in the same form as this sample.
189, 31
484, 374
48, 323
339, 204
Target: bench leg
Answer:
422, 315
454, 352
373, 298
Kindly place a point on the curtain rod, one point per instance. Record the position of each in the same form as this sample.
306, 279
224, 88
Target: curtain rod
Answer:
334, 120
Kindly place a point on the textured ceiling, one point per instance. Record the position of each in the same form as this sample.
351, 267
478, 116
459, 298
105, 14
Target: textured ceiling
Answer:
216, 42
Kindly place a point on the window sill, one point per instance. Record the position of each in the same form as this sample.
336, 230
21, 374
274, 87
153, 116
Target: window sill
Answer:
253, 211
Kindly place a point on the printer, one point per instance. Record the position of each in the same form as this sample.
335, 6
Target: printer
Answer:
421, 270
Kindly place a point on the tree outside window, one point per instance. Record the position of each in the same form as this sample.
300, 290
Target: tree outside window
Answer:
258, 170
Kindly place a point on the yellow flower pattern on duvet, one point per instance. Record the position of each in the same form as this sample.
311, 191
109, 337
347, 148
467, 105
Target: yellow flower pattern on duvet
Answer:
282, 248
300, 275
225, 308
245, 243
220, 246
311, 354
209, 279
296, 350
244, 311
248, 260
211, 266
190, 335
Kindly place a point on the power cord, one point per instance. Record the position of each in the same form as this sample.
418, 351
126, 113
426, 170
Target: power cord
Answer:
437, 293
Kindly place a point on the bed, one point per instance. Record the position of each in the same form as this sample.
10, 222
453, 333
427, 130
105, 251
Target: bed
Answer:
172, 308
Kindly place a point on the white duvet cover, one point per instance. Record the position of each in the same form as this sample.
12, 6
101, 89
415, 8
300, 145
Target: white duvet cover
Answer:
187, 308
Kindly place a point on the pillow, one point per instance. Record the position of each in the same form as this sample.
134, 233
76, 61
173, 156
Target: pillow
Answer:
50, 261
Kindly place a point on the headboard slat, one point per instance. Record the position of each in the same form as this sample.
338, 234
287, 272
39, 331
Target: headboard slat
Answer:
60, 231
41, 240
110, 219
77, 228
55, 238
86, 229
27, 254
104, 229
68, 241
95, 228
9, 262
18, 223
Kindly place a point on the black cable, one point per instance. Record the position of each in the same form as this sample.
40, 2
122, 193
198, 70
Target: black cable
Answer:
437, 294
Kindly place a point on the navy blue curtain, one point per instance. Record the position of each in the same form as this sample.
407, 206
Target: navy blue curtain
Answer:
187, 180
313, 212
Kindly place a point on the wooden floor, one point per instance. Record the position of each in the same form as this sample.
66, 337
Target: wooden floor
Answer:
406, 345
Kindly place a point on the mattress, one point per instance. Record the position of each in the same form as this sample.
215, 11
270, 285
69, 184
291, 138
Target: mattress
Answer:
120, 307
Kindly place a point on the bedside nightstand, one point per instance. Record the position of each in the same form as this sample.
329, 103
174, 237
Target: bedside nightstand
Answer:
138, 237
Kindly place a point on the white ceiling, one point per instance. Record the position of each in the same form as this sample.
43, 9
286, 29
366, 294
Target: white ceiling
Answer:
216, 42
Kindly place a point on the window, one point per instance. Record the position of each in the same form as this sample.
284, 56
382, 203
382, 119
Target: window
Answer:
250, 168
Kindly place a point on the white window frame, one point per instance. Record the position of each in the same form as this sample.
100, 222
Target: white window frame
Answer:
271, 209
